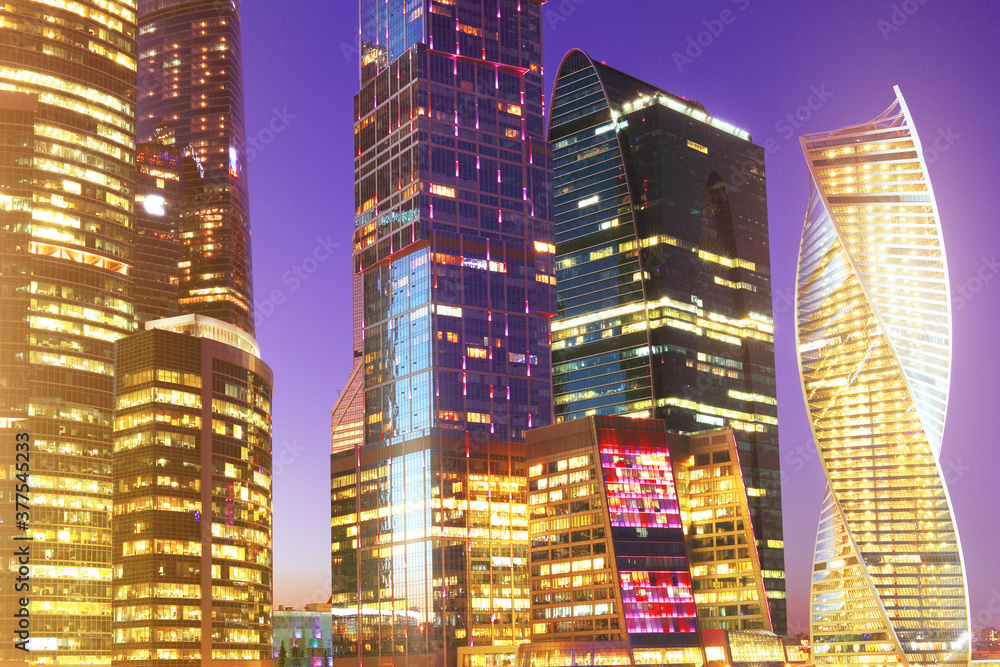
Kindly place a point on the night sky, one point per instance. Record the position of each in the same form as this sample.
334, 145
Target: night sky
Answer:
763, 64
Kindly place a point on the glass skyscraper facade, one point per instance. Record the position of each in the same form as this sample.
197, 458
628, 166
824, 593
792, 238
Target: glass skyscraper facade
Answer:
192, 504
609, 566
873, 328
453, 253
726, 575
664, 288
157, 248
190, 76
66, 210
17, 148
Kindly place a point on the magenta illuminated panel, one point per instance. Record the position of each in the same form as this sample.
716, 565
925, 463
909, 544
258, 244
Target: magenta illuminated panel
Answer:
640, 485
648, 537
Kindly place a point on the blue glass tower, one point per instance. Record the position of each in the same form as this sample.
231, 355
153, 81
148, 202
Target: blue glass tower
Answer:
454, 275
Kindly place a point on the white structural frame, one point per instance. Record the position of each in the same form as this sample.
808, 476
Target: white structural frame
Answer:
873, 330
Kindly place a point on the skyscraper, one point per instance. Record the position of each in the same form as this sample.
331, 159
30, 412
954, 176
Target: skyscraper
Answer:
664, 288
454, 257
726, 575
17, 147
191, 76
609, 567
157, 247
194, 398
66, 209
192, 478
347, 419
873, 327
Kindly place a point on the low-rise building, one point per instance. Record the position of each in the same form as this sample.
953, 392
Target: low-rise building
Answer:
302, 638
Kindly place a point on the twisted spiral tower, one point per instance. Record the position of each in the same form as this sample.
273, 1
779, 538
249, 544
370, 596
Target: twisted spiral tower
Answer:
873, 328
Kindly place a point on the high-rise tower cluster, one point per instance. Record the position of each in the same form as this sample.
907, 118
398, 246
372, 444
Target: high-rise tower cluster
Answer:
664, 283
149, 453
557, 444
663, 310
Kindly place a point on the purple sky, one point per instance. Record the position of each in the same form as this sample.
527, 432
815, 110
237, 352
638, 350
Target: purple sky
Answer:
765, 62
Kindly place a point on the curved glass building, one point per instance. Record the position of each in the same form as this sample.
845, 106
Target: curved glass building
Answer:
191, 76
664, 296
67, 181
873, 319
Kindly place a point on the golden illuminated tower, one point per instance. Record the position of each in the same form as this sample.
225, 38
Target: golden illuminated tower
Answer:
873, 324
17, 136
67, 224
724, 550
192, 477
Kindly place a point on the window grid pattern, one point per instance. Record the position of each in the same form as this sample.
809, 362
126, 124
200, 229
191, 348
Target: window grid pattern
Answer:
71, 232
191, 85
664, 296
726, 575
157, 249
192, 529
453, 257
873, 322
608, 560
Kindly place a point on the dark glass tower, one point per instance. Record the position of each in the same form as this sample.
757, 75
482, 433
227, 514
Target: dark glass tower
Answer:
454, 253
664, 298
157, 248
190, 76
